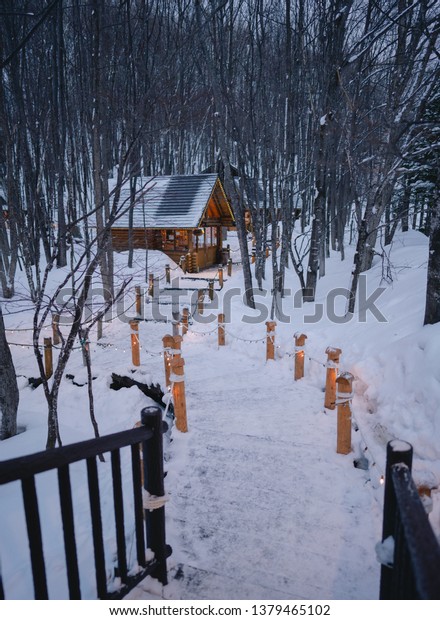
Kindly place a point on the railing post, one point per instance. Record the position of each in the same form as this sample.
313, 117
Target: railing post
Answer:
48, 359
151, 417
221, 330
141, 455
135, 349
185, 316
211, 289
220, 276
300, 342
397, 452
344, 396
270, 340
167, 274
177, 378
332, 365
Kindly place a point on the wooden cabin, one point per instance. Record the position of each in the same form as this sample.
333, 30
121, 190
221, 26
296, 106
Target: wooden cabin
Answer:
179, 215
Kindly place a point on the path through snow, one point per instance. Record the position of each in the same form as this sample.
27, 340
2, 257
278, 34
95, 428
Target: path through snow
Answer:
262, 506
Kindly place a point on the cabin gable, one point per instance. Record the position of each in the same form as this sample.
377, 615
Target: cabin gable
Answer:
178, 215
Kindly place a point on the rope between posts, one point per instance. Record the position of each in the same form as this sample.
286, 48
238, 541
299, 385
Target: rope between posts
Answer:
244, 339
312, 359
30, 329
191, 331
40, 346
152, 353
26, 329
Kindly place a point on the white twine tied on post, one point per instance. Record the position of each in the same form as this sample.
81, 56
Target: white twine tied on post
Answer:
331, 364
153, 502
342, 398
176, 378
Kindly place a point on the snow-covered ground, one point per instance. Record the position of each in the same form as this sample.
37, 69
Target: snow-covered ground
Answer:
261, 505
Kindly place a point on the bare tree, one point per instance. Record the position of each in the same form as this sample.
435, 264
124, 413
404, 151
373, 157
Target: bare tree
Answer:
9, 395
432, 309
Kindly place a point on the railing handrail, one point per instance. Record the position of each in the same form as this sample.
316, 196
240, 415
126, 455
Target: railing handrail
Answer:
148, 461
39, 462
413, 571
423, 548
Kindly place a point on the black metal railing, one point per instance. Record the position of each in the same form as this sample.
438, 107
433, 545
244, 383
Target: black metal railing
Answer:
24, 469
414, 572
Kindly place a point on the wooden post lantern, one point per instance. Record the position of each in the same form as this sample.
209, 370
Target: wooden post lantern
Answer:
220, 276
229, 267
300, 342
179, 399
171, 350
221, 330
270, 340
135, 348
138, 301
48, 359
333, 355
151, 284
167, 342
185, 317
56, 329
344, 396
200, 300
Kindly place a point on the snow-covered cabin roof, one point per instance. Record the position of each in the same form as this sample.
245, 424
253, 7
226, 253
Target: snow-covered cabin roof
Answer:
177, 201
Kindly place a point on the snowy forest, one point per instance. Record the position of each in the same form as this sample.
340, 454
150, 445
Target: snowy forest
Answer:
330, 106
321, 117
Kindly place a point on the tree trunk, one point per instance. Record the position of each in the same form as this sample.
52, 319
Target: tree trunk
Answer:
432, 308
9, 395
317, 241
231, 191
